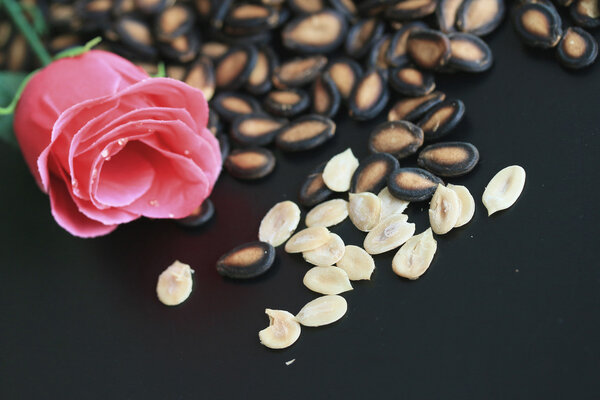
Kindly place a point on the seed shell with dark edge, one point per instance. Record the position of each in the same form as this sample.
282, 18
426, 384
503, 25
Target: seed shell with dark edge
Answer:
449, 159
135, 34
260, 78
174, 21
306, 7
314, 191
224, 146
585, 13
428, 48
345, 73
199, 216
214, 50
298, 71
445, 14
201, 75
440, 120
369, 96
413, 184
398, 138
230, 105
233, 69
255, 129
320, 32
214, 122
413, 108
305, 133
377, 57
469, 53
538, 25
250, 163
410, 9
325, 96
251, 17
346, 7
411, 81
577, 48
480, 17
246, 261
286, 102
362, 36
151, 7
372, 173
396, 53
182, 49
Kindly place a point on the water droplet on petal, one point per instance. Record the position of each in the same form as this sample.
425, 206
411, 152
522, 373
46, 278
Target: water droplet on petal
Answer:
104, 153
153, 203
186, 152
171, 215
122, 141
107, 159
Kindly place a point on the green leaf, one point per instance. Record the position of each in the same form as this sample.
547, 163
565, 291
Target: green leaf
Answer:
9, 85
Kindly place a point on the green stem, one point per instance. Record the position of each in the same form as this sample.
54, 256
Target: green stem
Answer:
10, 109
32, 38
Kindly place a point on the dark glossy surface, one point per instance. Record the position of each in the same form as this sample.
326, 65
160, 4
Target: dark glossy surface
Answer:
510, 307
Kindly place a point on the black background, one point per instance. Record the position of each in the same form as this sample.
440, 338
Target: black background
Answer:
510, 307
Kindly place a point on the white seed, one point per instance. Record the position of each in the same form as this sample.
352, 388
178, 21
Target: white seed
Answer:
357, 263
327, 254
504, 189
327, 280
323, 310
467, 204
389, 234
329, 213
339, 170
174, 284
444, 210
389, 204
307, 239
279, 223
415, 256
282, 332
364, 210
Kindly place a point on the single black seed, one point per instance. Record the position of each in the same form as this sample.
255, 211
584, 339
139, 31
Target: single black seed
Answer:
287, 102
372, 173
174, 21
480, 17
233, 69
369, 96
325, 96
396, 53
182, 49
346, 7
299, 33
413, 184
305, 133
428, 48
398, 138
260, 78
201, 75
250, 163
214, 50
440, 120
411, 109
298, 71
214, 122
255, 129
449, 159
150, 7
248, 260
445, 14
374, 7
230, 105
577, 48
469, 53
411, 81
538, 25
377, 57
200, 216
362, 36
251, 18
314, 191
306, 7
585, 13
407, 10
345, 73
135, 35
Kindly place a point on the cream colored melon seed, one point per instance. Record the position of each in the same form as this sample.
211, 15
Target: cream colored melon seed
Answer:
504, 189
415, 256
467, 204
282, 332
444, 210
357, 263
391, 205
174, 284
327, 280
364, 210
323, 310
389, 234
339, 170
308, 239
327, 254
279, 223
327, 214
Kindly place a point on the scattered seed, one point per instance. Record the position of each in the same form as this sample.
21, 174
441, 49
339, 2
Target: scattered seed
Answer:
538, 25
286, 102
305, 133
250, 163
201, 215
214, 50
282, 332
231, 105
398, 138
444, 210
306, 6
327, 214
327, 254
323, 310
369, 96
174, 284
364, 210
479, 17
411, 9
173, 21
504, 189
314, 190
446, 14
320, 32
390, 233
325, 96
135, 34
357, 263
279, 223
345, 73
449, 159
307, 239
585, 13
371, 174
441, 119
412, 184
298, 71
377, 58
577, 49
246, 261
467, 204
396, 54
390, 204
327, 280
346, 7
250, 18
469, 53
415, 256
338, 171
413, 108
429, 49
411, 81
255, 129
260, 78
362, 36
234, 67
201, 76
223, 146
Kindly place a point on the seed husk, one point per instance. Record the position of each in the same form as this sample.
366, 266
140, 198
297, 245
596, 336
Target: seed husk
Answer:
345, 73
411, 81
306, 6
398, 138
255, 129
357, 263
201, 75
214, 50
504, 189
411, 109
390, 233
251, 17
446, 14
305, 133
585, 13
415, 256
200, 216
362, 36
298, 71
429, 49
346, 7
369, 96
538, 25
479, 17
327, 280
441, 119
327, 214
320, 32
313, 191
396, 54
449, 159
338, 171
233, 69
577, 49
444, 210
286, 102
377, 57
260, 78
282, 332
323, 310
364, 210
151, 7
410, 9
246, 261
390, 204
174, 21
469, 53
412, 184
371, 174
467, 204
224, 146
327, 254
250, 163
135, 34
183, 49
176, 72
230, 105
279, 223
307, 239
174, 284
325, 96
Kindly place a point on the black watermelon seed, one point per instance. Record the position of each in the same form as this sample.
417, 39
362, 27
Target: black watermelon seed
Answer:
372, 173
260, 78
577, 48
345, 73
411, 81
445, 14
346, 7
377, 57
299, 33
251, 18
201, 75
440, 120
255, 129
314, 191
135, 36
325, 96
414, 108
469, 53
182, 49
305, 133
396, 54
479, 17
214, 50
200, 216
428, 48
248, 260
214, 123
413, 184
369, 96
174, 21
362, 36
406, 10
234, 67
398, 138
250, 163
230, 105
223, 146
298, 71
286, 102
306, 7
538, 25
449, 159
585, 13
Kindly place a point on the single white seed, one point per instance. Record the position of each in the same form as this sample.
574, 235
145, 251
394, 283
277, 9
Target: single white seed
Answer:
415, 256
389, 234
327, 254
504, 189
327, 214
357, 263
307, 239
364, 210
389, 204
279, 223
323, 310
282, 332
467, 204
444, 210
327, 280
338, 172
174, 284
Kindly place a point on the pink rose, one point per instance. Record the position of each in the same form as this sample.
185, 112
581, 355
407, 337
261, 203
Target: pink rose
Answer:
109, 144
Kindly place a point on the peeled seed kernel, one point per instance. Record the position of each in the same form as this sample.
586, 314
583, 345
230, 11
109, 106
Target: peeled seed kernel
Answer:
327, 214
327, 254
504, 189
282, 332
415, 256
279, 223
444, 210
307, 239
327, 280
357, 263
467, 204
390, 204
389, 234
323, 310
338, 172
174, 284
364, 210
